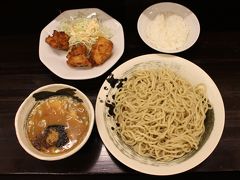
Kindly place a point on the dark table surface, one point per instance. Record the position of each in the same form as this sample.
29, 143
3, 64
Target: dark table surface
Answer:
217, 52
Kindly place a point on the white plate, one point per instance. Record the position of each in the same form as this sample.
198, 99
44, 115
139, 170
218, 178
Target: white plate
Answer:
55, 60
151, 12
123, 153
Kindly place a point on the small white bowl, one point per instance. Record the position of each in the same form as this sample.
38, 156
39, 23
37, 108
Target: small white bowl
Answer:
27, 106
148, 15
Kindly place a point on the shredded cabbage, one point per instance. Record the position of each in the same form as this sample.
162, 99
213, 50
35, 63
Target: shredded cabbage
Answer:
84, 30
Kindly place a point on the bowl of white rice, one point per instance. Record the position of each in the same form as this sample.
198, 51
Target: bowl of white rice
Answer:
168, 27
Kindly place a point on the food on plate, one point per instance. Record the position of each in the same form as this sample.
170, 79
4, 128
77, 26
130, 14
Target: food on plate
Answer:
85, 30
101, 50
57, 124
159, 114
86, 40
168, 31
59, 40
77, 56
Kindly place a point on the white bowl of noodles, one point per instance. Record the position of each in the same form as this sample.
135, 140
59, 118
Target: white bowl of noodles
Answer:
160, 114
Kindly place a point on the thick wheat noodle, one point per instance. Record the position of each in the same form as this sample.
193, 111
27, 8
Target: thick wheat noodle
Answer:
160, 114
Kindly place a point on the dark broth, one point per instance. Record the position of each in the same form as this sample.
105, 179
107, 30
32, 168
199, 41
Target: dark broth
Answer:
62, 111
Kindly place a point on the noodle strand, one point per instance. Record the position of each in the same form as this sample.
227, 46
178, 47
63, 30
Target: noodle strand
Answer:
160, 114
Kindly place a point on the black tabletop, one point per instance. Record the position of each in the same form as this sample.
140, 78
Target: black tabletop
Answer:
217, 52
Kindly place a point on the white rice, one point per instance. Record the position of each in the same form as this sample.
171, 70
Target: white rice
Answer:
168, 32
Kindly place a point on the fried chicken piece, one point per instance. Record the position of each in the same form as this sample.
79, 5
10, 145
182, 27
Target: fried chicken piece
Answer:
77, 57
101, 50
59, 40
79, 61
77, 50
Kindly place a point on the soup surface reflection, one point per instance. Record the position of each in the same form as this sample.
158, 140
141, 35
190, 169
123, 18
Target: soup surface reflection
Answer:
57, 124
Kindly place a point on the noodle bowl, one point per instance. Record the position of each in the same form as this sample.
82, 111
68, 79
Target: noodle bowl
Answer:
160, 114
